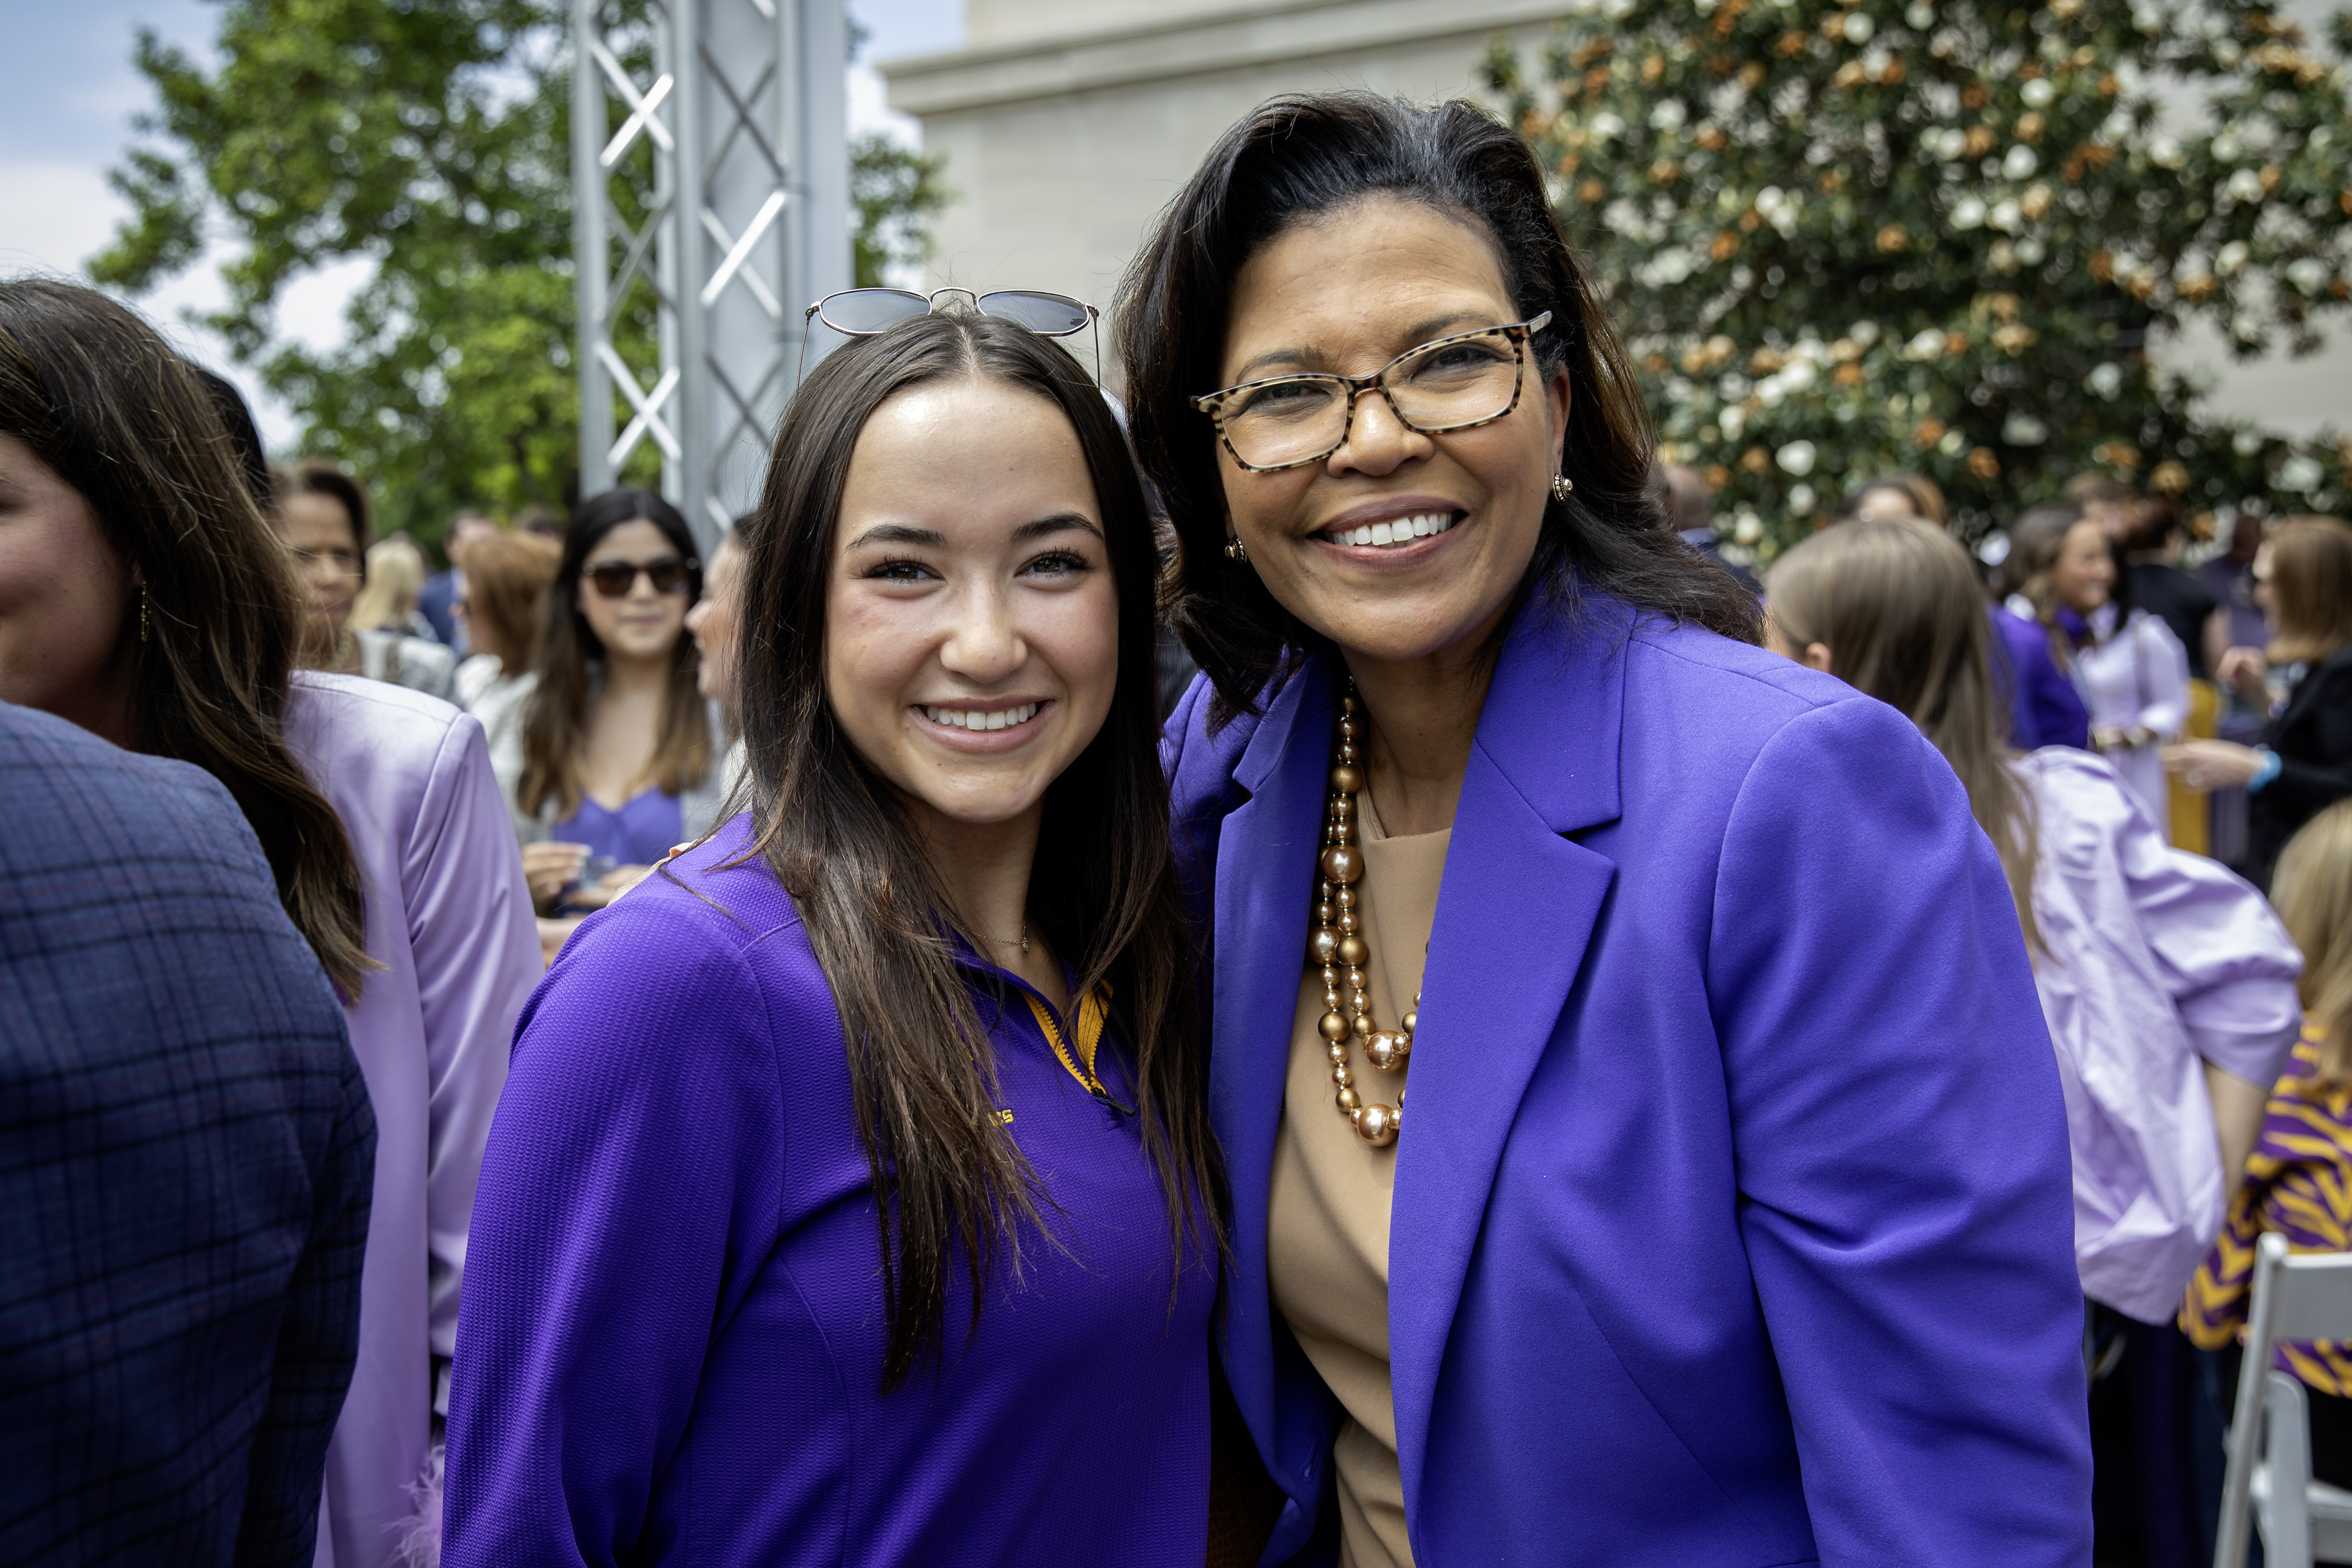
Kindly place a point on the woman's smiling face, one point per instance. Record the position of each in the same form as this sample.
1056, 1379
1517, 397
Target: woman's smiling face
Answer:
1346, 293
971, 624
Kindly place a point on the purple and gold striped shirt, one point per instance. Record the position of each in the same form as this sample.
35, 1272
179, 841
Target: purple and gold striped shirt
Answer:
2299, 1184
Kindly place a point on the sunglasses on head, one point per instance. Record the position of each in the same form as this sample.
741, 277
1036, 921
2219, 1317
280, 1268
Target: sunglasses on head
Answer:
862, 313
613, 579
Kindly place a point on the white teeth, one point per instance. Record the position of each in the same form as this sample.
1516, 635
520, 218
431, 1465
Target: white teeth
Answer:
1400, 530
966, 719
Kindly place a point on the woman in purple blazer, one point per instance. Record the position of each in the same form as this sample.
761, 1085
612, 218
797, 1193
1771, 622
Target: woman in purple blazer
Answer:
1730, 1223
851, 1200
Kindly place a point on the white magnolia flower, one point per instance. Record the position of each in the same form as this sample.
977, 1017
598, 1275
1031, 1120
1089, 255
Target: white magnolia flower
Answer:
1920, 16
2307, 273
1858, 27
2038, 93
2005, 217
2302, 474
2019, 163
2244, 186
2231, 258
1967, 213
1797, 458
1802, 498
2165, 153
2023, 430
1669, 115
1733, 419
2106, 380
1929, 344
1750, 528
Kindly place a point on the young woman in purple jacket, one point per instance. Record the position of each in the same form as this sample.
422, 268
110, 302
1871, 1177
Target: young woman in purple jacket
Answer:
852, 1199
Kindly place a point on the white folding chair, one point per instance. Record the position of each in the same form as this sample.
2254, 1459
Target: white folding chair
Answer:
2304, 1522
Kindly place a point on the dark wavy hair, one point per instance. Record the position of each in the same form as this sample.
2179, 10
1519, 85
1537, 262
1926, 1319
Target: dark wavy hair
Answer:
1298, 158
945, 1170
104, 401
555, 715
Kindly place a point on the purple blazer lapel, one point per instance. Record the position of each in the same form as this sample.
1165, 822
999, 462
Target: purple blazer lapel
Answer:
1515, 913
1266, 881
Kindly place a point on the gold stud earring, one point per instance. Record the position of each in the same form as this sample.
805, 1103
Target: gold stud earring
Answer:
1561, 485
1235, 550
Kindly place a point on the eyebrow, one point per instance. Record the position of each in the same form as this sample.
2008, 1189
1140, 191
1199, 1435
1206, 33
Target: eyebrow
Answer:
1060, 523
1415, 335
901, 533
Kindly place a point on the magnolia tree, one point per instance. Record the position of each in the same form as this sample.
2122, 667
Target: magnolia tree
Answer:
1844, 239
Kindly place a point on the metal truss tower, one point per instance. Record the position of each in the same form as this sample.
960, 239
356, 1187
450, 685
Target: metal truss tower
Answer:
742, 105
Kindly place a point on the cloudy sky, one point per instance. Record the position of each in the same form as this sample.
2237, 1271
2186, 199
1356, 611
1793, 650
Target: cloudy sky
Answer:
67, 118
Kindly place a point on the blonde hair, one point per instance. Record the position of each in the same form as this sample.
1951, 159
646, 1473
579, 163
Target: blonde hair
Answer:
2312, 891
2311, 587
1897, 605
395, 574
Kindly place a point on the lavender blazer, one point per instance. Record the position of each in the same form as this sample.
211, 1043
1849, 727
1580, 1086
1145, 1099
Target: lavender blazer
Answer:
1733, 1220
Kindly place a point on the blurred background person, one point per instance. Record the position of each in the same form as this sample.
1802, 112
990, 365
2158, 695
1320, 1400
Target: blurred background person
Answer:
2045, 710
2186, 605
2105, 499
542, 521
2128, 666
712, 623
438, 598
2303, 680
1893, 496
322, 515
1690, 512
2302, 1163
2167, 985
609, 754
183, 1195
162, 614
387, 602
499, 610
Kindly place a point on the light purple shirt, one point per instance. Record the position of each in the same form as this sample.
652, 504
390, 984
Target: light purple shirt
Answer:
2156, 962
450, 918
2137, 675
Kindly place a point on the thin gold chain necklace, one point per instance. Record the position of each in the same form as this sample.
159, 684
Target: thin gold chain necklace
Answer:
1337, 946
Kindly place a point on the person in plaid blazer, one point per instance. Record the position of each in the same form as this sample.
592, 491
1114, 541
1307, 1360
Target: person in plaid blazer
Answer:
186, 1160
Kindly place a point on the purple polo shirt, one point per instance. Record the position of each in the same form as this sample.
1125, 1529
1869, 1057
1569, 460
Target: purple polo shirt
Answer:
671, 1344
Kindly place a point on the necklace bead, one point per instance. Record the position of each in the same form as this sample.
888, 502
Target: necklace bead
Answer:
1336, 941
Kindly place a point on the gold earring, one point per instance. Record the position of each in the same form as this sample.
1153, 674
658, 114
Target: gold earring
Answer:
1235, 550
1561, 485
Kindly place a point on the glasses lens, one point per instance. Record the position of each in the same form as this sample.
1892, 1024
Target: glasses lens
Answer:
863, 311
1459, 382
667, 576
1286, 421
613, 579
1048, 315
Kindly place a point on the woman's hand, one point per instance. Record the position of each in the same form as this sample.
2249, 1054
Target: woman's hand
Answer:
2212, 764
2242, 670
549, 867
553, 934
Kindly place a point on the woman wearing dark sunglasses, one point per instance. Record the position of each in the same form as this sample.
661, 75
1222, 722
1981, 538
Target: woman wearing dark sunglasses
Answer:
1730, 1221
852, 1201
608, 753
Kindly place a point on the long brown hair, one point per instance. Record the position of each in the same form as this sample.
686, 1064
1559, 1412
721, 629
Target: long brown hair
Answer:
1103, 890
508, 579
555, 715
1897, 605
2311, 588
2312, 891
1295, 158
104, 403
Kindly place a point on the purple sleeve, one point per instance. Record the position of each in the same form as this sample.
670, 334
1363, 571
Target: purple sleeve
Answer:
632, 1183
1905, 1195
2222, 955
477, 953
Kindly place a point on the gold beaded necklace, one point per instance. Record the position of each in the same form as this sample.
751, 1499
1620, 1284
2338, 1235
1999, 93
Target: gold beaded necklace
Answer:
1335, 943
